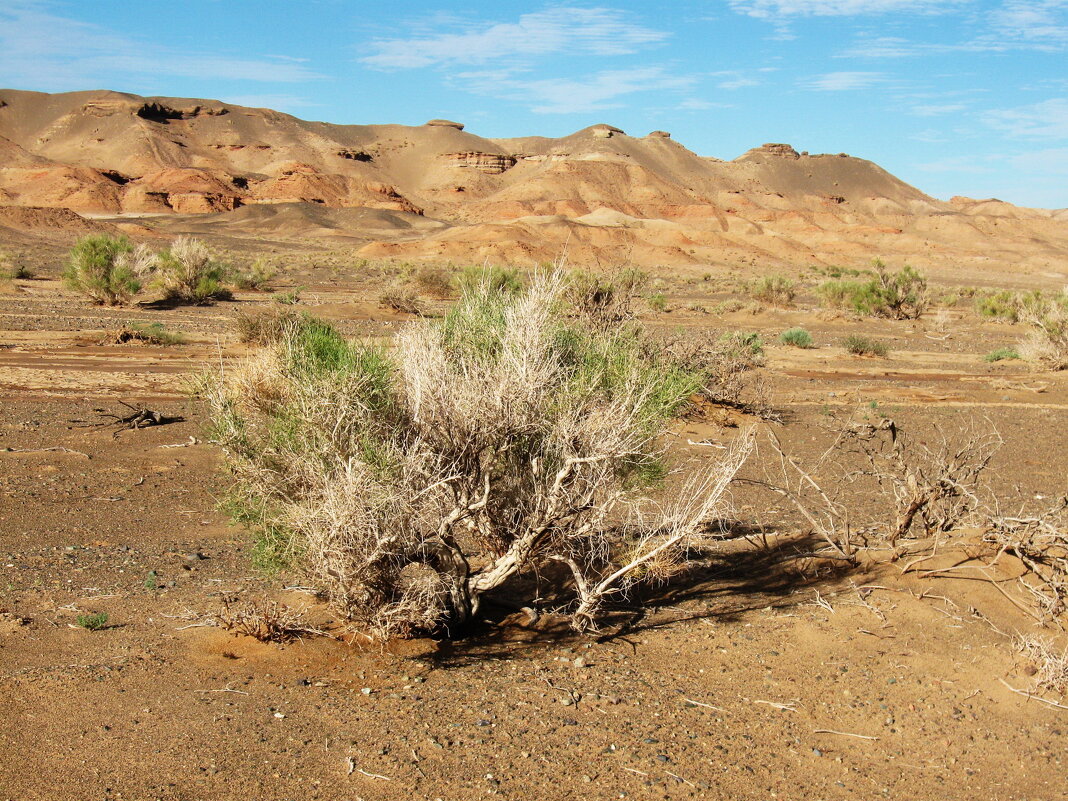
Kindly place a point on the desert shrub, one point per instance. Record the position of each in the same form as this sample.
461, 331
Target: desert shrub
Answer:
147, 333
899, 296
93, 622
797, 337
187, 273
775, 290
264, 619
608, 298
657, 302
291, 297
107, 269
401, 300
257, 276
505, 437
860, 345
266, 325
723, 361
1001, 354
500, 279
1047, 341
434, 281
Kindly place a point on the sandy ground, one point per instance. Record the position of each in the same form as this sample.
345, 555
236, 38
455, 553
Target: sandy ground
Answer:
759, 676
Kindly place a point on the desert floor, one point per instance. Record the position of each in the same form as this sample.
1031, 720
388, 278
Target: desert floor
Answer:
761, 675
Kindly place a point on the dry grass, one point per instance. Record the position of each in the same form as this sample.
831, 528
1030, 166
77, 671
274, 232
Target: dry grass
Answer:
265, 619
1047, 664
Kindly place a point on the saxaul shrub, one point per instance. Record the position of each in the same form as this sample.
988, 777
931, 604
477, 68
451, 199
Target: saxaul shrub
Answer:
187, 272
898, 296
507, 437
106, 269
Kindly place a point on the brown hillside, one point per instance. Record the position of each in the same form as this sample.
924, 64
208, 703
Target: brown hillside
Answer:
602, 193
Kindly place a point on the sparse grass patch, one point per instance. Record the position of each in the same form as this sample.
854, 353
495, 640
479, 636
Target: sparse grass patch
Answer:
434, 281
796, 337
1001, 354
499, 279
860, 345
265, 325
257, 276
608, 298
657, 302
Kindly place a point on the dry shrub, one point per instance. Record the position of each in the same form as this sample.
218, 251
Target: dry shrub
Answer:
607, 299
1041, 543
1047, 341
188, 273
265, 619
147, 334
1049, 663
499, 440
401, 300
266, 325
938, 487
726, 361
434, 281
775, 290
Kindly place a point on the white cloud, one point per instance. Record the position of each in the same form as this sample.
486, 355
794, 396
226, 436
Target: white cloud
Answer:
592, 93
1035, 21
843, 81
732, 79
938, 110
596, 31
50, 52
1048, 119
881, 47
777, 9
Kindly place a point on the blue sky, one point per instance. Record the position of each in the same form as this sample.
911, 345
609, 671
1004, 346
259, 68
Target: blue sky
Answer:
954, 96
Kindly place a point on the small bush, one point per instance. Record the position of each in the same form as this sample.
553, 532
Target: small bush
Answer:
657, 302
1047, 341
266, 325
499, 279
291, 297
609, 298
107, 269
147, 333
898, 296
1012, 307
1001, 354
775, 290
187, 273
507, 437
401, 300
797, 337
434, 281
863, 346
257, 277
94, 622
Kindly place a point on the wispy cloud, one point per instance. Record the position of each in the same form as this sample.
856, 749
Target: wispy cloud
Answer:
842, 81
52, 52
276, 102
1045, 120
596, 31
733, 79
778, 9
938, 110
595, 92
1037, 22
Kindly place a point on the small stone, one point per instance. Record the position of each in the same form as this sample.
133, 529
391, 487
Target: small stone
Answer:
366, 691
279, 715
567, 701
817, 752
581, 662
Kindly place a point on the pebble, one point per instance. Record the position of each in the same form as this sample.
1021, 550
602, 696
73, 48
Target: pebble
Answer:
581, 662
366, 691
817, 752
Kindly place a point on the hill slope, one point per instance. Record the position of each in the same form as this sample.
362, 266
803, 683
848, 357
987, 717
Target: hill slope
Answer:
600, 193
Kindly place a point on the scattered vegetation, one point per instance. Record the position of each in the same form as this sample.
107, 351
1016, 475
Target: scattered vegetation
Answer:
796, 337
266, 325
505, 437
186, 272
291, 297
257, 276
434, 281
145, 333
898, 296
657, 302
607, 299
93, 622
775, 290
499, 279
401, 300
1047, 341
107, 269
860, 345
1001, 354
